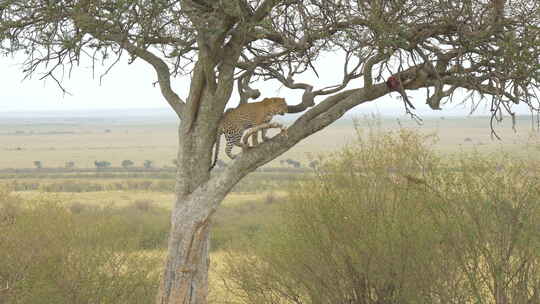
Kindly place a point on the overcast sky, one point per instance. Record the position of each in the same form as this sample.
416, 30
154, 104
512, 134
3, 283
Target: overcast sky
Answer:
131, 87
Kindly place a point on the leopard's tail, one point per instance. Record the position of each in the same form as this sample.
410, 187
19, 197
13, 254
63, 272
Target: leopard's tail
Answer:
216, 151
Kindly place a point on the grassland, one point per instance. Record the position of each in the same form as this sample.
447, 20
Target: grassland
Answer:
85, 140
245, 212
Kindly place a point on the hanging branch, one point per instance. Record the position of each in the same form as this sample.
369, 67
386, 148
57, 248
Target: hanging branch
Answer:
244, 90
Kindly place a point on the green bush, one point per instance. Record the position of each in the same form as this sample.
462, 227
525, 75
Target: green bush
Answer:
50, 255
388, 221
489, 215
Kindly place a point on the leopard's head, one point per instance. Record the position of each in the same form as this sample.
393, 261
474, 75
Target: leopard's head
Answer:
276, 105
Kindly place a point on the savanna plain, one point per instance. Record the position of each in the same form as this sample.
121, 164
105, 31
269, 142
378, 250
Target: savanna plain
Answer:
368, 210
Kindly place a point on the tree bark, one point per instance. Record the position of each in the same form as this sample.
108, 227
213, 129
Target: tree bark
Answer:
186, 272
185, 277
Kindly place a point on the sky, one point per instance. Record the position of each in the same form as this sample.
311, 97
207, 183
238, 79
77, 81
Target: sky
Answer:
125, 87
131, 87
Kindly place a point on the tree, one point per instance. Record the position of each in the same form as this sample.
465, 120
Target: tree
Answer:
446, 48
102, 164
38, 164
127, 163
148, 164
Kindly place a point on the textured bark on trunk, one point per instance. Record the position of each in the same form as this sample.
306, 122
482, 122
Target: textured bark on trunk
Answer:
185, 278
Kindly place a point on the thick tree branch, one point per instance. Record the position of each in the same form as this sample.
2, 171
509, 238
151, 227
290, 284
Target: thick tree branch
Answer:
320, 116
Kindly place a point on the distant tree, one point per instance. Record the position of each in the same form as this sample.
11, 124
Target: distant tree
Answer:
148, 164
313, 164
293, 163
102, 164
38, 164
69, 164
127, 163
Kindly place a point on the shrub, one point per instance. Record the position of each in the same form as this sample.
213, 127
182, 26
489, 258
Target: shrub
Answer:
385, 221
143, 204
240, 222
270, 198
9, 208
50, 253
490, 219
77, 207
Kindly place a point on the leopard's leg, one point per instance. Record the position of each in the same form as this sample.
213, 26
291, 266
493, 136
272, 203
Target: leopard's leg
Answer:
255, 139
232, 139
228, 150
236, 139
263, 133
263, 130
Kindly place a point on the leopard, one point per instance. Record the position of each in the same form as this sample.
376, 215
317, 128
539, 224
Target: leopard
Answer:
248, 115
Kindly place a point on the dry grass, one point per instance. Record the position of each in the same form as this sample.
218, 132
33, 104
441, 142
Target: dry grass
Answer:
83, 143
125, 198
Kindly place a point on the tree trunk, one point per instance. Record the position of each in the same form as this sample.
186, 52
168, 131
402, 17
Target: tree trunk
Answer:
185, 278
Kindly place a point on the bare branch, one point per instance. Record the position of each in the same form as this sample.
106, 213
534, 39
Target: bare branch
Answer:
244, 90
104, 31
